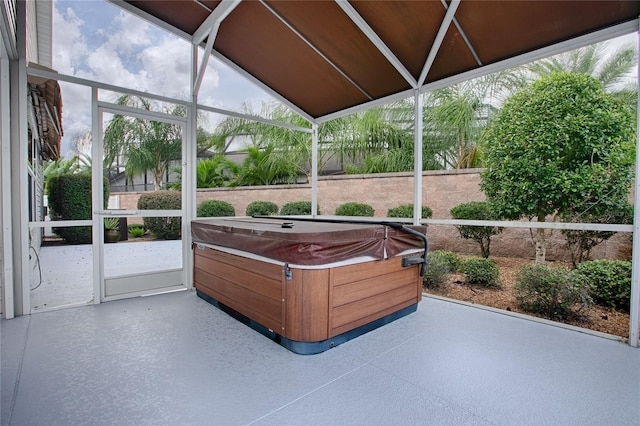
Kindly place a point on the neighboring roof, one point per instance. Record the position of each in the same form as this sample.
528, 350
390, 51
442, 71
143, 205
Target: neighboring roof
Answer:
324, 57
46, 101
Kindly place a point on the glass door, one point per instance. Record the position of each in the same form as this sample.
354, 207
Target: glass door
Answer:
140, 247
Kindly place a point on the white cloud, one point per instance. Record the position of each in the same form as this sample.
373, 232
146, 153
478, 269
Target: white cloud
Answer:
67, 33
97, 41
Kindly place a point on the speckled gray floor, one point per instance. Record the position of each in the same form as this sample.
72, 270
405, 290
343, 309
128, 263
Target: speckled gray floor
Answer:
173, 359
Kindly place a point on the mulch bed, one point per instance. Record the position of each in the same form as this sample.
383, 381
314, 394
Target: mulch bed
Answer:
597, 318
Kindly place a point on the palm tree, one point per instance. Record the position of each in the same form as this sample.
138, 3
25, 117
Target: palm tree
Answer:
211, 172
456, 116
144, 145
613, 70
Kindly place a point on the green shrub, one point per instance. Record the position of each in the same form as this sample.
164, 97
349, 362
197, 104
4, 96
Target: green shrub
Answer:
136, 231
440, 264
406, 210
608, 280
169, 228
479, 270
476, 210
261, 208
550, 292
69, 198
215, 208
297, 208
451, 257
355, 209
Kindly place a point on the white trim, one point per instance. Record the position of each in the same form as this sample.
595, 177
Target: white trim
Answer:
195, 86
104, 86
141, 113
634, 299
60, 224
19, 163
6, 220
366, 106
97, 197
254, 118
377, 41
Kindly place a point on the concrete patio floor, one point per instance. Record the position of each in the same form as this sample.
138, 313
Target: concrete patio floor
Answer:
64, 275
173, 359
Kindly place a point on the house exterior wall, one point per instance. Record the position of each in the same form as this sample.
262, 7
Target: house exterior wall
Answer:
442, 190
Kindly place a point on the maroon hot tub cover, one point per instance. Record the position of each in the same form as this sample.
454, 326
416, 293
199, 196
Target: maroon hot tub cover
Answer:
305, 242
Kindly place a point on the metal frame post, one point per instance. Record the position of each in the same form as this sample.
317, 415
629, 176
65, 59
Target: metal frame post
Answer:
417, 157
634, 320
6, 221
314, 169
19, 181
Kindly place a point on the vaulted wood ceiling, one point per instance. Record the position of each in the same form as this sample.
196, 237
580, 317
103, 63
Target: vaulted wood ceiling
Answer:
328, 56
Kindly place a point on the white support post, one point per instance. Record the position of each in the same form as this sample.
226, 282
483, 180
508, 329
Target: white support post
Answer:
19, 163
417, 157
314, 169
189, 158
97, 197
8, 309
634, 320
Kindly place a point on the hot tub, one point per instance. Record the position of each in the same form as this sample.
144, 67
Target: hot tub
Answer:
308, 285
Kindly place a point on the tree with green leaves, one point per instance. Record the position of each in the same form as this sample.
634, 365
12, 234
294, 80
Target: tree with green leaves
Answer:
612, 68
561, 144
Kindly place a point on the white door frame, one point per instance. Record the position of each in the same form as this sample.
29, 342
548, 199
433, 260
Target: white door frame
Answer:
170, 280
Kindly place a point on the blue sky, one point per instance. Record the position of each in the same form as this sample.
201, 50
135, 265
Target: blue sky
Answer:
96, 40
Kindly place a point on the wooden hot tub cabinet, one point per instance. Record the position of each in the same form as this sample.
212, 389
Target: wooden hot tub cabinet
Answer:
306, 306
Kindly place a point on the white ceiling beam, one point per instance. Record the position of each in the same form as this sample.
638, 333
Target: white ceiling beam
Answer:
464, 36
263, 86
444, 26
544, 52
216, 17
205, 58
575, 43
377, 41
214, 20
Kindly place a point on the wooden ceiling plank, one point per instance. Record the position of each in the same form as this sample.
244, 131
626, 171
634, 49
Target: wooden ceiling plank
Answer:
315, 49
377, 41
